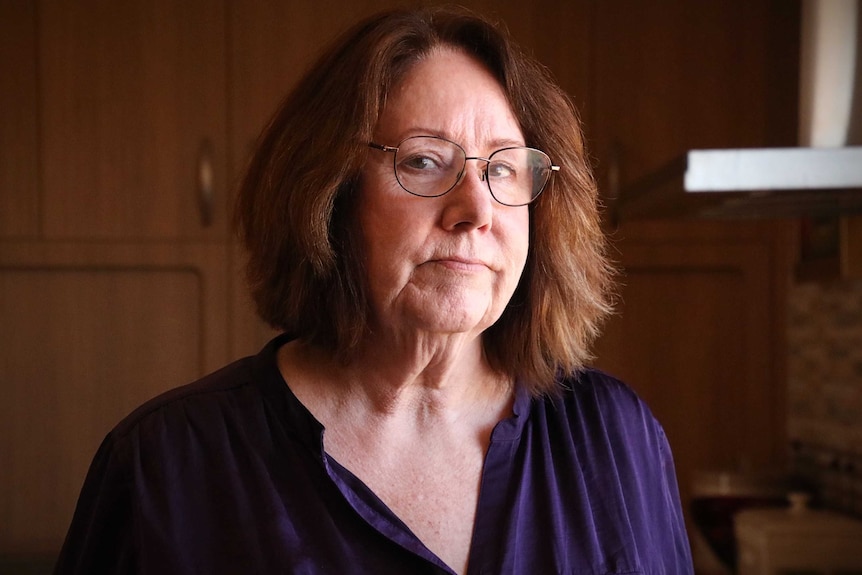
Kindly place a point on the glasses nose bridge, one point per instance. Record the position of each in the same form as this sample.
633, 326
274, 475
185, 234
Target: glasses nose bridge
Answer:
483, 171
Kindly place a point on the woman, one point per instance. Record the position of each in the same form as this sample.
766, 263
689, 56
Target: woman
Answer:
422, 224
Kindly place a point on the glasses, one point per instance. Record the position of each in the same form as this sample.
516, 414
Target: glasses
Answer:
429, 166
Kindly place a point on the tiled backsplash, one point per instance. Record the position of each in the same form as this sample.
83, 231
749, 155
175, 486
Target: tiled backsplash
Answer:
824, 396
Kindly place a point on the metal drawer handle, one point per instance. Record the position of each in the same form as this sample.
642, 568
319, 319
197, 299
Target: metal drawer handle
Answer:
206, 182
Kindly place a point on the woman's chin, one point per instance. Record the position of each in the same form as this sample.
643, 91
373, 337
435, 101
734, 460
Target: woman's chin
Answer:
446, 321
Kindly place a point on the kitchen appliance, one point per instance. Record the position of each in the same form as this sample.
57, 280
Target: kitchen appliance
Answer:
717, 496
798, 540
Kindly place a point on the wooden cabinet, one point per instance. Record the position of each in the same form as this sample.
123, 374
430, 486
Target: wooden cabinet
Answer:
674, 75
19, 168
89, 332
114, 268
830, 249
700, 329
699, 333
132, 104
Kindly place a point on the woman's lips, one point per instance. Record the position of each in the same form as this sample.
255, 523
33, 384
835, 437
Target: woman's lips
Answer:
460, 263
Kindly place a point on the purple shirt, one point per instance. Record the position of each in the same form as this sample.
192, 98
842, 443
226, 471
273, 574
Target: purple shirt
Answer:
228, 476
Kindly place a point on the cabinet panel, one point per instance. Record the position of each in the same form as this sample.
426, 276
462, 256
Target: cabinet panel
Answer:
674, 75
19, 149
556, 33
88, 334
68, 377
272, 43
132, 97
699, 334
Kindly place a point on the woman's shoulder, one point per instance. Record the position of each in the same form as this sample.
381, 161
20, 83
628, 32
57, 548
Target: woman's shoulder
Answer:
227, 389
190, 398
240, 404
591, 379
599, 426
233, 394
601, 409
592, 388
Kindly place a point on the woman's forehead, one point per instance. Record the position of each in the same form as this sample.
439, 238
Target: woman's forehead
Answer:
452, 95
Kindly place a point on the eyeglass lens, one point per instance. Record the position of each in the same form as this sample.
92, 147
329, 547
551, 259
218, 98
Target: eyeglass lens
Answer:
430, 166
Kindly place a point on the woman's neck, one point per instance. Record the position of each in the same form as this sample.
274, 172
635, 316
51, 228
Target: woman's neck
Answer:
426, 383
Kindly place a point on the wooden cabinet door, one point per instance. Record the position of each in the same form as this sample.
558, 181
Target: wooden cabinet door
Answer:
701, 328
89, 332
555, 32
19, 176
132, 101
674, 75
272, 43
700, 334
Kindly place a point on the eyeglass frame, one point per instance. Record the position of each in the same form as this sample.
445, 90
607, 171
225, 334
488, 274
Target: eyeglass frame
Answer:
394, 150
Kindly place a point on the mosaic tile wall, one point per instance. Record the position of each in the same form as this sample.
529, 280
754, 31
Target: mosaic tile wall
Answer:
824, 396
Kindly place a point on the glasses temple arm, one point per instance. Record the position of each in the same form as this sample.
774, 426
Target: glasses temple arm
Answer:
382, 148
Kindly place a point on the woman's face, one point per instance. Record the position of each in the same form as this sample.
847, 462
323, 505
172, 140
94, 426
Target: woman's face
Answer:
448, 264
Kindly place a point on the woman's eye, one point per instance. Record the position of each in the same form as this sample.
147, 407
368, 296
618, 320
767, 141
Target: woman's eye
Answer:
500, 170
420, 163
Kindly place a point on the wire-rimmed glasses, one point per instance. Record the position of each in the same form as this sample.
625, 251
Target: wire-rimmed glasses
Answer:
430, 166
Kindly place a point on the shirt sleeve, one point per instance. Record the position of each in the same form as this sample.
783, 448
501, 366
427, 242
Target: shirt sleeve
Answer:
640, 460
653, 496
100, 538
678, 550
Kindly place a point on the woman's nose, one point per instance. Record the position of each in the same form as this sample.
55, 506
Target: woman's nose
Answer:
470, 204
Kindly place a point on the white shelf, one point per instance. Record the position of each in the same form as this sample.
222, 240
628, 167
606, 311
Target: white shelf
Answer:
774, 169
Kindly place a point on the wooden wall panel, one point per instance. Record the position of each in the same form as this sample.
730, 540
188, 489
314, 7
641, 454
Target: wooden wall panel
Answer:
699, 334
89, 332
673, 75
132, 96
19, 147
271, 44
68, 377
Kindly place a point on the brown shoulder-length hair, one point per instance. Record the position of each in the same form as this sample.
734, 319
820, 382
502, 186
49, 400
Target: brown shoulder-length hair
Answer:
295, 203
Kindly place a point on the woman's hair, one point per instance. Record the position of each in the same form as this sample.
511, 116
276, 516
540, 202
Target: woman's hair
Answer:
295, 208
